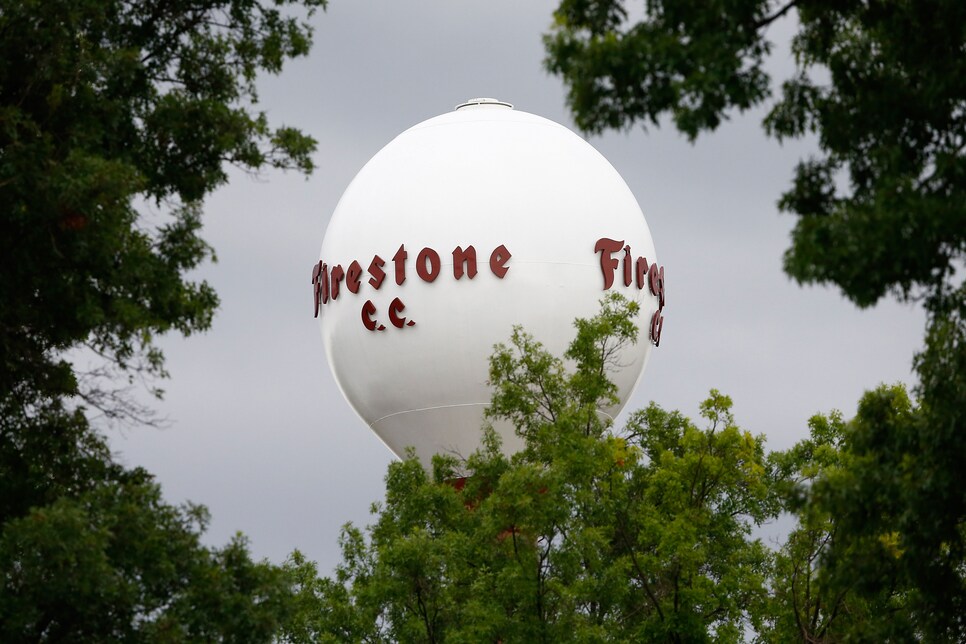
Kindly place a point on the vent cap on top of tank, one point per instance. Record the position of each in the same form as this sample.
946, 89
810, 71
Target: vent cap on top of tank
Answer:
477, 102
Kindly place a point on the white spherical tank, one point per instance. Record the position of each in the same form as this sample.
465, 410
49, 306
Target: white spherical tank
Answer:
460, 228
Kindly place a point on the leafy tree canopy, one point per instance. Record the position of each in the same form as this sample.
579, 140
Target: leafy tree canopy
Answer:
109, 109
882, 85
881, 208
102, 103
645, 533
588, 534
900, 505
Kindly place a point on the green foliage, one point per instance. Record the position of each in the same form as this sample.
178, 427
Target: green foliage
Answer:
107, 107
879, 504
892, 116
96, 555
102, 103
875, 82
804, 604
533, 390
645, 533
692, 59
881, 209
900, 506
585, 535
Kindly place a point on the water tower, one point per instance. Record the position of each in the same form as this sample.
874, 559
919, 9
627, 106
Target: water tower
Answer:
460, 228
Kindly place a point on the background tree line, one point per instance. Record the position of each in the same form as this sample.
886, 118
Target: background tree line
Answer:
642, 533
104, 103
592, 532
881, 209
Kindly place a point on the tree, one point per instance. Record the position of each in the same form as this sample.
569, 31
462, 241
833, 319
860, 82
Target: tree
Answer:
102, 103
106, 108
588, 534
876, 82
116, 563
881, 209
804, 605
640, 534
898, 512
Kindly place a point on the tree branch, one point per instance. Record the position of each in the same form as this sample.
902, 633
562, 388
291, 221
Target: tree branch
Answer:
767, 20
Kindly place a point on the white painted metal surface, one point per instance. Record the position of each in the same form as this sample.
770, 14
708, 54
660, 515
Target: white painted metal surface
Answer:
484, 175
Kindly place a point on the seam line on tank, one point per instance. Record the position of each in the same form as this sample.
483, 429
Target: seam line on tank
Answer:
409, 411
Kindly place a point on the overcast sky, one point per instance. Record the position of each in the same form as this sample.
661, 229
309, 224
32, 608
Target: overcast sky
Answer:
258, 429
